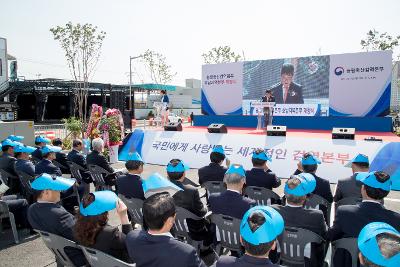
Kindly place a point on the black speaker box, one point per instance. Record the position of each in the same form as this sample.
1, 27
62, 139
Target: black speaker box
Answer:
173, 126
217, 128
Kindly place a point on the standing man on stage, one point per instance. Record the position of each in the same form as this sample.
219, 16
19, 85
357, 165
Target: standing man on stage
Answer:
165, 107
268, 97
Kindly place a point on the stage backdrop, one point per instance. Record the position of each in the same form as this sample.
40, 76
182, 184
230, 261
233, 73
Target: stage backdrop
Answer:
355, 84
159, 147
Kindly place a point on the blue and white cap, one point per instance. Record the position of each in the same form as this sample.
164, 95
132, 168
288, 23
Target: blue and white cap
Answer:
272, 227
236, 168
360, 158
48, 149
56, 183
310, 160
262, 155
156, 183
219, 149
134, 156
15, 138
180, 167
103, 201
369, 178
307, 185
24, 149
42, 139
368, 244
8, 142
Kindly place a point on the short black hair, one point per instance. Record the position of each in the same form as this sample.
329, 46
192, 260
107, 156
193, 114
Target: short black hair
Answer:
361, 164
258, 162
309, 168
217, 157
268, 91
57, 142
389, 246
5, 148
163, 91
174, 175
377, 193
287, 68
157, 209
76, 142
38, 143
255, 220
45, 156
132, 165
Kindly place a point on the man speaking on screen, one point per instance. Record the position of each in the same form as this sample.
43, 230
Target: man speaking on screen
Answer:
287, 91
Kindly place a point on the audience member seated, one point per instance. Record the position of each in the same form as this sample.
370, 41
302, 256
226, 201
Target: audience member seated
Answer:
7, 163
296, 189
189, 199
231, 202
40, 141
260, 175
130, 184
46, 165
157, 247
350, 219
92, 228
349, 187
97, 158
61, 157
214, 171
23, 163
379, 245
76, 156
259, 229
48, 215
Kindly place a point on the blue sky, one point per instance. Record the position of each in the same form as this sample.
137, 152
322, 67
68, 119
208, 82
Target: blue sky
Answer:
183, 30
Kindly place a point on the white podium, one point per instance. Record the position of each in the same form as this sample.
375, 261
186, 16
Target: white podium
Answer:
267, 111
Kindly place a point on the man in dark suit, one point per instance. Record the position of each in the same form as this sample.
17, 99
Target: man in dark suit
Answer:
350, 219
61, 157
47, 215
231, 202
40, 141
130, 184
259, 229
287, 91
157, 247
23, 163
268, 97
214, 171
76, 156
260, 175
349, 187
46, 164
7, 163
97, 158
294, 215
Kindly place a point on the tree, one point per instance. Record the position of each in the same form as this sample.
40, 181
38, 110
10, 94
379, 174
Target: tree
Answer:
82, 47
379, 41
221, 54
156, 65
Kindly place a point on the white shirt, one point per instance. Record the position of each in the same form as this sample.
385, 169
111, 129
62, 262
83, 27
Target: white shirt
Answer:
163, 234
233, 191
372, 201
293, 206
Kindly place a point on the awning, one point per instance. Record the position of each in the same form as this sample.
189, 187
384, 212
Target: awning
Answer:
154, 86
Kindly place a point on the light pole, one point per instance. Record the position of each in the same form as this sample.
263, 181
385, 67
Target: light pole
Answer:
131, 108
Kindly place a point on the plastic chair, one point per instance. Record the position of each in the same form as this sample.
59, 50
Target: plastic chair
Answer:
349, 244
75, 170
25, 180
315, 202
97, 173
5, 213
57, 244
101, 259
134, 208
59, 165
261, 195
9, 179
292, 243
213, 187
228, 232
181, 229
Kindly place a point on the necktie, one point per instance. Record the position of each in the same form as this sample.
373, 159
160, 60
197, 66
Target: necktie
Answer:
286, 93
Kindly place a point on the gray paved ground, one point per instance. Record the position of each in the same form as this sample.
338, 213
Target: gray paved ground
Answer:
32, 252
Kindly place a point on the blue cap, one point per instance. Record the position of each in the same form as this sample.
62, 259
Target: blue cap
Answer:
15, 138
272, 227
156, 183
180, 167
368, 244
360, 158
219, 149
8, 142
310, 160
262, 156
103, 201
236, 168
369, 178
134, 156
42, 139
47, 182
49, 149
24, 149
307, 185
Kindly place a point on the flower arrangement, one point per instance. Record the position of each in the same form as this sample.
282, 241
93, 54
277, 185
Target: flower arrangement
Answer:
112, 127
92, 130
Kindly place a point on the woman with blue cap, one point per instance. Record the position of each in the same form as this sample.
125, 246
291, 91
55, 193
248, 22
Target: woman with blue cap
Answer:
92, 228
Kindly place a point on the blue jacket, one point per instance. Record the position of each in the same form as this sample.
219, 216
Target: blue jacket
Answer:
261, 178
25, 166
230, 203
130, 186
46, 166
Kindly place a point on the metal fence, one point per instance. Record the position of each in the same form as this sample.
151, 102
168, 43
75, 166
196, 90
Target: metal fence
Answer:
51, 131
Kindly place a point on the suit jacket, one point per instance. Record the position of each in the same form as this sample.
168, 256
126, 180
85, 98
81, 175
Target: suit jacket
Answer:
61, 158
323, 188
230, 203
25, 166
294, 96
37, 153
7, 163
130, 186
212, 172
261, 178
112, 242
46, 166
347, 187
79, 159
158, 251
244, 261
95, 158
